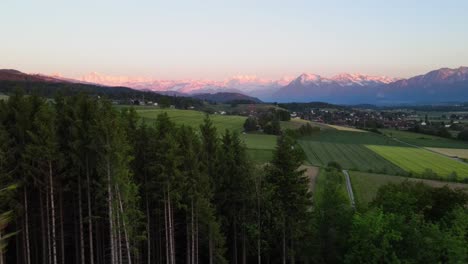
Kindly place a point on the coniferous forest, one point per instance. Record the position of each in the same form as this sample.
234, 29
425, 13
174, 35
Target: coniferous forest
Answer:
82, 182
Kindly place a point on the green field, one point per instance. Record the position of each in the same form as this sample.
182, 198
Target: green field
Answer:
365, 185
259, 146
349, 156
296, 123
423, 140
417, 160
194, 118
350, 137
3, 97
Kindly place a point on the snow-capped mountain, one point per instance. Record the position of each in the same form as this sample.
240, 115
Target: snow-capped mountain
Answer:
341, 88
441, 85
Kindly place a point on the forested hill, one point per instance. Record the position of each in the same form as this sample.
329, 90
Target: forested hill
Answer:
12, 80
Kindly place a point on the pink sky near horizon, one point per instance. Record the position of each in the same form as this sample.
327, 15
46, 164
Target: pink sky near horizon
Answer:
215, 40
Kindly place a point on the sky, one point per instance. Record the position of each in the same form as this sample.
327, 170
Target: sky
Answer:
216, 39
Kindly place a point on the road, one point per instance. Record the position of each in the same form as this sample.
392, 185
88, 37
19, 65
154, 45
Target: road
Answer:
349, 188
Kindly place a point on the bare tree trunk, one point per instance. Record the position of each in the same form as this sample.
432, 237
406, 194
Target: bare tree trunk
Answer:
1, 250
210, 244
166, 229
26, 227
196, 239
293, 257
244, 248
171, 229
44, 250
148, 223
235, 254
119, 239
80, 211
90, 215
48, 227
62, 236
187, 240
284, 244
127, 242
111, 215
193, 236
52, 207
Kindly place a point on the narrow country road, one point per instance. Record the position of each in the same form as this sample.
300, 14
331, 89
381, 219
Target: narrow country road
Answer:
349, 189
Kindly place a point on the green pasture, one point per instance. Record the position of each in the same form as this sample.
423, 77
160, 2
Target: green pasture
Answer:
349, 156
418, 161
351, 137
194, 118
365, 185
423, 140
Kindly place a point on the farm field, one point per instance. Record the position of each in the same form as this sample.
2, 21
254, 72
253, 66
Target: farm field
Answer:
423, 140
3, 97
259, 146
349, 156
294, 123
194, 118
351, 137
344, 128
459, 153
365, 185
418, 160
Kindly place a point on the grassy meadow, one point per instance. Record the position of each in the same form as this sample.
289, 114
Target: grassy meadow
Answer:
418, 160
349, 156
365, 185
259, 146
423, 140
351, 137
458, 153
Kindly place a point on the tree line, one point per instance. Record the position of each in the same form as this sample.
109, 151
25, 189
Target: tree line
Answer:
82, 182
98, 185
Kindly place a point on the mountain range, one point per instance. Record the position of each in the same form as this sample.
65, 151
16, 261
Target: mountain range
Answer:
442, 85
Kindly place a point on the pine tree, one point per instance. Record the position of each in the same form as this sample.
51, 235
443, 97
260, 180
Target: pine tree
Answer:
290, 196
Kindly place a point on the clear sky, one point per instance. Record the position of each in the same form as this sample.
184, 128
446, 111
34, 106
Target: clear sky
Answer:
215, 39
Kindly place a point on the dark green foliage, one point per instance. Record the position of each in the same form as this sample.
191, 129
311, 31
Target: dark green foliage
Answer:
273, 127
463, 135
251, 124
411, 222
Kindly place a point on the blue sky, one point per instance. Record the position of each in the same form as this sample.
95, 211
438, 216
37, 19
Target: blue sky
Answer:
208, 39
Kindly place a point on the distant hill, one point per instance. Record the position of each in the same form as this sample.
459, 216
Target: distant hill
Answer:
11, 80
227, 98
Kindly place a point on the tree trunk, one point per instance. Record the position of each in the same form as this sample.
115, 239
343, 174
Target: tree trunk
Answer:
234, 251
196, 238
166, 229
171, 229
52, 207
210, 244
109, 205
148, 223
62, 236
193, 235
187, 240
127, 242
284, 244
49, 252
26, 227
90, 215
1, 250
80, 212
244, 248
119, 239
